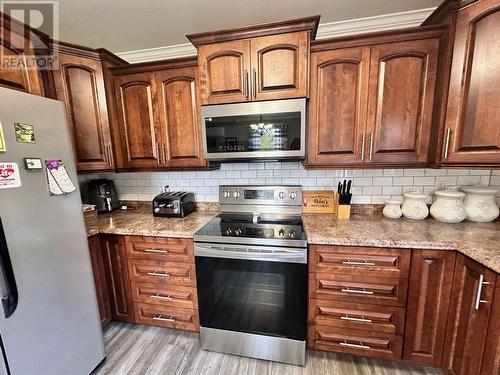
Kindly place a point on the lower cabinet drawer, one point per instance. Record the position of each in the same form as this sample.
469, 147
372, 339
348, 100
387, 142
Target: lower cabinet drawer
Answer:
358, 289
365, 317
372, 344
159, 248
165, 295
168, 317
159, 271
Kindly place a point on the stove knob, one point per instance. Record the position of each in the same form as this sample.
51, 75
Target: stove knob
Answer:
226, 194
157, 209
237, 231
281, 233
236, 194
293, 195
229, 231
281, 195
292, 233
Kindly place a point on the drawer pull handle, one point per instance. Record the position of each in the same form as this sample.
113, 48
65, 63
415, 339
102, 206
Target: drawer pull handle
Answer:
361, 320
363, 263
357, 291
160, 317
159, 296
160, 274
349, 345
159, 251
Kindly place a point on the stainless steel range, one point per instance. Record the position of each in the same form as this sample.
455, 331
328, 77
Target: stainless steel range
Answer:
251, 269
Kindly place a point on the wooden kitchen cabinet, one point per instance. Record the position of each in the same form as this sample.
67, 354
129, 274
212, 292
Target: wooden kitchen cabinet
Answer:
263, 62
429, 293
180, 122
118, 281
472, 132
79, 83
470, 311
491, 359
138, 120
400, 104
224, 72
100, 282
372, 104
338, 105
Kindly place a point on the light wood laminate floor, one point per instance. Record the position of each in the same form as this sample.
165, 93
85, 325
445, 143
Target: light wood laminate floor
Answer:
139, 349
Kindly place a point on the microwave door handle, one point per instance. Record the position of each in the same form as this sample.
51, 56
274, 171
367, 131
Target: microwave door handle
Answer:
8, 287
227, 252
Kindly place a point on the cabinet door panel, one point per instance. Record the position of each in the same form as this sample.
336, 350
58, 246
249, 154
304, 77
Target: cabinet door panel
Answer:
402, 84
180, 118
279, 66
468, 320
140, 143
337, 106
79, 84
224, 69
473, 110
99, 273
491, 360
115, 264
429, 292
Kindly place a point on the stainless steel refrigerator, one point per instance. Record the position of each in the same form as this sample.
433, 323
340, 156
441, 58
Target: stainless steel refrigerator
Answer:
50, 322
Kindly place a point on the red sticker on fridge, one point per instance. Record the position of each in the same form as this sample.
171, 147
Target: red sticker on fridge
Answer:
9, 175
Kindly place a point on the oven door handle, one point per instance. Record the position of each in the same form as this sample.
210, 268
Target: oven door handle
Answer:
274, 254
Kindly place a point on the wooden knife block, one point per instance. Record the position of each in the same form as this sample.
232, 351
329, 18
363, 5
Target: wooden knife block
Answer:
341, 211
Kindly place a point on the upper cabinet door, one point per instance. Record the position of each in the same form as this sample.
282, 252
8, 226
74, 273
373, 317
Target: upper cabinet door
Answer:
402, 85
79, 84
470, 310
180, 121
140, 143
280, 66
337, 106
472, 133
224, 70
14, 73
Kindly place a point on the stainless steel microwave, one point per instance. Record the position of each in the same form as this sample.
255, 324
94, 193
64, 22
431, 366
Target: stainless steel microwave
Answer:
255, 130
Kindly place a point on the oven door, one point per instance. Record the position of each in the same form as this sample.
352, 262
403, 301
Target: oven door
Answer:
262, 130
251, 291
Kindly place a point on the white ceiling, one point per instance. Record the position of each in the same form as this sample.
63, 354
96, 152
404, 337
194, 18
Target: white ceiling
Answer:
127, 25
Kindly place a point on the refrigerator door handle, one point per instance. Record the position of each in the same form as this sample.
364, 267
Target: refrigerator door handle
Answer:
8, 287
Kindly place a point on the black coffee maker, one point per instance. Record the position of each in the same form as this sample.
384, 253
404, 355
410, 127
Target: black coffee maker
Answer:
102, 193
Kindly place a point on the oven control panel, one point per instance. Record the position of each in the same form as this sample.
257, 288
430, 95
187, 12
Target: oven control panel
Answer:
268, 195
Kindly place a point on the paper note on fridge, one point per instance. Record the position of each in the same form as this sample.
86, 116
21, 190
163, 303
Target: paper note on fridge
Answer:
58, 178
9, 175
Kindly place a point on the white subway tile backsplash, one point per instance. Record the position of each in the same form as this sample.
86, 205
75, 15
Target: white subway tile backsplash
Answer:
369, 186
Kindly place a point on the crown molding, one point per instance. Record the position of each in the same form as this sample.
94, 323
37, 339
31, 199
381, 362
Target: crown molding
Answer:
355, 26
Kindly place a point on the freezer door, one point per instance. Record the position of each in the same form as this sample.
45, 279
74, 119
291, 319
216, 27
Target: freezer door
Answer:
55, 326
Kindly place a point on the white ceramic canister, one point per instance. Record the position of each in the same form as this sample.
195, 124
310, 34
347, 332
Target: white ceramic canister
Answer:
448, 206
392, 209
480, 203
414, 206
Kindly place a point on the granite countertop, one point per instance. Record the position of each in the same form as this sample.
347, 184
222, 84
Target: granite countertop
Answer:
141, 222
479, 241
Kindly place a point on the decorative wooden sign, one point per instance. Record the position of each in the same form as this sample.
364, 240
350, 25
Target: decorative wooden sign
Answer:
318, 202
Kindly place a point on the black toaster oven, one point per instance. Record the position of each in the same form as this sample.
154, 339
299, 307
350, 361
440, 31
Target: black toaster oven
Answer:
173, 204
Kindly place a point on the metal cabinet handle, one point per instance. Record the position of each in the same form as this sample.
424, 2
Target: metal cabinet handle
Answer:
246, 86
480, 291
356, 291
160, 274
361, 320
349, 345
160, 317
371, 146
164, 153
363, 139
160, 251
254, 83
363, 263
159, 296
157, 156
108, 154
447, 143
